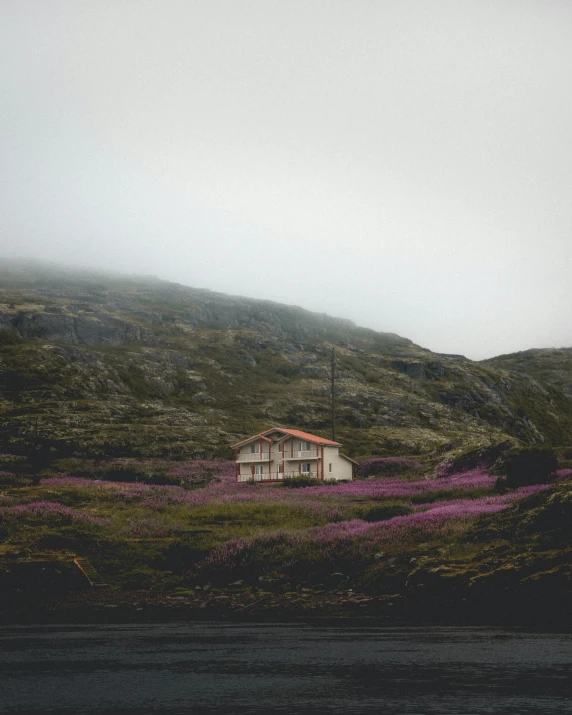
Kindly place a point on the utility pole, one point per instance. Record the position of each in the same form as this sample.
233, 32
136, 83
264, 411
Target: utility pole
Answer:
333, 387
35, 452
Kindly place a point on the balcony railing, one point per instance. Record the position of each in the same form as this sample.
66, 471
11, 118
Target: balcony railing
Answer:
302, 454
254, 457
275, 476
288, 454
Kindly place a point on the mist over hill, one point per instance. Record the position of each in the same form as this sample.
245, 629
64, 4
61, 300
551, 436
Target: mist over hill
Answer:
95, 363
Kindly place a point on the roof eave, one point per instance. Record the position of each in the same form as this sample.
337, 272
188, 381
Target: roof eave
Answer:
251, 439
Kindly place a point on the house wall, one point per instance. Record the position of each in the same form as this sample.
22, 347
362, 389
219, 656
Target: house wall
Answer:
245, 470
246, 448
341, 468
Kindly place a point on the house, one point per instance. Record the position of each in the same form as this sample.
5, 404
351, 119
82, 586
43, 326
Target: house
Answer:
280, 453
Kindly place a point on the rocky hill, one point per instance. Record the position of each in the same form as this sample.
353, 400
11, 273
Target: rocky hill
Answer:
102, 364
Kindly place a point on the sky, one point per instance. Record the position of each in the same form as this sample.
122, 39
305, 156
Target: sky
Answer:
402, 163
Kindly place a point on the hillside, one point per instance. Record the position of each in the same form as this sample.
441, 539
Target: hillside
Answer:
110, 382
551, 366
96, 364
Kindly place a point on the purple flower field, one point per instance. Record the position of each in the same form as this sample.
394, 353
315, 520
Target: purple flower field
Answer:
436, 521
226, 489
48, 511
190, 470
265, 520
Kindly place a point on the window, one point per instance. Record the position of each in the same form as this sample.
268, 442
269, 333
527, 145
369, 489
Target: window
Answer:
258, 468
280, 469
329, 467
253, 447
305, 468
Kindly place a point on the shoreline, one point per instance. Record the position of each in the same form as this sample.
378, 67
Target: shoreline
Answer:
108, 606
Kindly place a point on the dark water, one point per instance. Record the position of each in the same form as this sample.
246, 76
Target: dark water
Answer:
208, 668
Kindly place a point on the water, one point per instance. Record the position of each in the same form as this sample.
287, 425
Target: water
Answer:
245, 668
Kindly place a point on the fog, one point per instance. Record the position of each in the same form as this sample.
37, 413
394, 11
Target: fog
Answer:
405, 164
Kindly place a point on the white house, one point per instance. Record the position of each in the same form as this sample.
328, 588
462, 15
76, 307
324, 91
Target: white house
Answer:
280, 453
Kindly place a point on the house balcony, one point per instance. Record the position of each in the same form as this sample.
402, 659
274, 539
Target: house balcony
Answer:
276, 476
303, 454
254, 457
267, 456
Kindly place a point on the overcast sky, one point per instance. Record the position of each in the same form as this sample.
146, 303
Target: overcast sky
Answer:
405, 164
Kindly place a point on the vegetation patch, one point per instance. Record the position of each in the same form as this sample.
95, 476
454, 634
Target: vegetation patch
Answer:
144, 535
532, 465
388, 466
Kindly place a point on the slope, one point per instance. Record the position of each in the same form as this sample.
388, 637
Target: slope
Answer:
94, 363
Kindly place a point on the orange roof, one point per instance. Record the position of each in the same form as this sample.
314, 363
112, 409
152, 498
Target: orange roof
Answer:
304, 435
256, 436
293, 433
